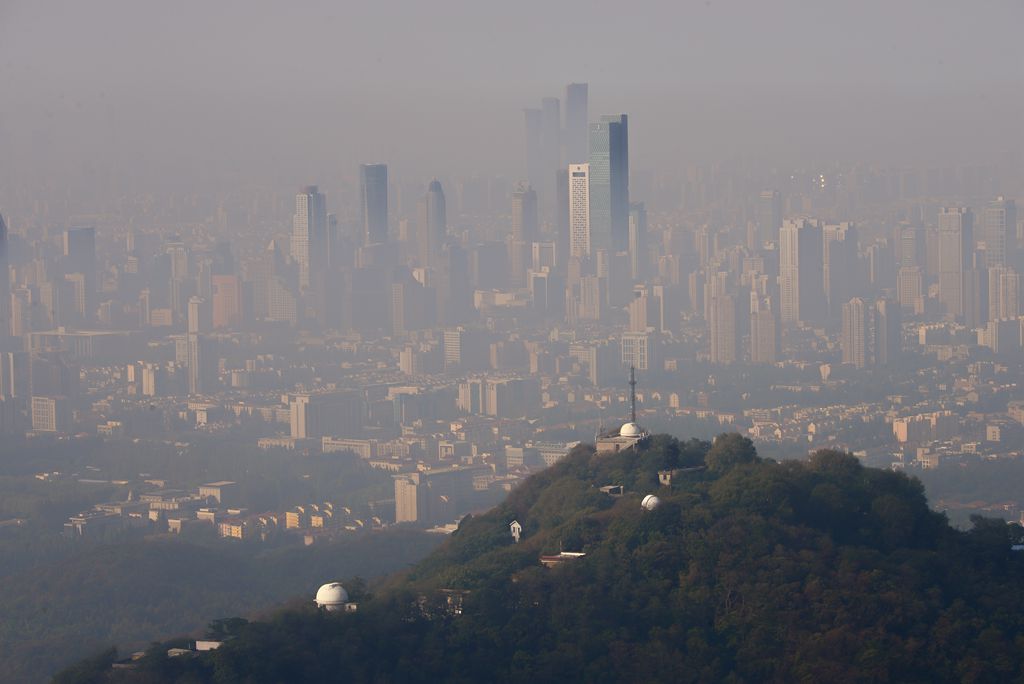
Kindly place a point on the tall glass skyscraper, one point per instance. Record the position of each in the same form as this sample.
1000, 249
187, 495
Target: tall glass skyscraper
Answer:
576, 123
609, 184
373, 197
433, 224
309, 228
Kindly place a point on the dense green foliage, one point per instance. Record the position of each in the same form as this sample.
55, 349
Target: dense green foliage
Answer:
749, 571
132, 592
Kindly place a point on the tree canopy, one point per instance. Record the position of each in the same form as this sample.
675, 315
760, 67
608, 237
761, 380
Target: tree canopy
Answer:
749, 570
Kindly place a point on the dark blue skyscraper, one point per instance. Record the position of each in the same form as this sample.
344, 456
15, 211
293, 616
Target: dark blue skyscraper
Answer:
373, 196
609, 184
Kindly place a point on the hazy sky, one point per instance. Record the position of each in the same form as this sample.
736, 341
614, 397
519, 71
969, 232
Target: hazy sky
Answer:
217, 90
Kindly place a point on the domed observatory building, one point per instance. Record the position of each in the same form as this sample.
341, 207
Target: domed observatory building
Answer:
333, 598
630, 433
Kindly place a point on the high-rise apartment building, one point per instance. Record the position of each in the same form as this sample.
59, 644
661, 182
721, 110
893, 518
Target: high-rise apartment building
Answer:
373, 199
854, 340
764, 330
227, 301
309, 229
910, 289
801, 272
579, 210
1000, 231
609, 184
722, 344
956, 244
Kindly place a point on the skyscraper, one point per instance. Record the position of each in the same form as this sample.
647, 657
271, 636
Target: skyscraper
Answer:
524, 215
956, 242
309, 228
839, 265
551, 142
801, 272
769, 215
80, 257
1000, 226
854, 340
764, 333
609, 184
638, 256
534, 147
579, 210
576, 146
722, 329
373, 198
525, 232
5, 284
432, 223
888, 332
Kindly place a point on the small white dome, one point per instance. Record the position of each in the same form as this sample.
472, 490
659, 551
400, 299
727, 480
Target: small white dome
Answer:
332, 596
650, 502
630, 430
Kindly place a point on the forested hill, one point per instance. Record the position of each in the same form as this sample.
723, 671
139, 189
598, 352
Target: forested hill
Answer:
748, 571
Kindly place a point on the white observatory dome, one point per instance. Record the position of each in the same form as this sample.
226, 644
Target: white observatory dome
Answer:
630, 430
331, 597
650, 502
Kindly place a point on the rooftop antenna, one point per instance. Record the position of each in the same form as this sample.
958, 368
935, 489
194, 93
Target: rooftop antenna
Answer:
632, 393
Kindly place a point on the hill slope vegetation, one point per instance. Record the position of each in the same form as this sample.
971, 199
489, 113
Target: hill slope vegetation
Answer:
748, 571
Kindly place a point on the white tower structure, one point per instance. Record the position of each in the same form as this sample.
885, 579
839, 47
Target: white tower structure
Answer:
579, 210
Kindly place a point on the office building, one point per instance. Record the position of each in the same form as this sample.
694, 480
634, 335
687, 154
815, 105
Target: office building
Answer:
525, 225
579, 210
609, 184
432, 224
910, 289
309, 229
50, 414
639, 257
373, 200
576, 128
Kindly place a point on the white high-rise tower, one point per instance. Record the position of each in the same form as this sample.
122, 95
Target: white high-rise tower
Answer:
579, 210
309, 228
